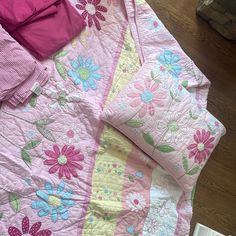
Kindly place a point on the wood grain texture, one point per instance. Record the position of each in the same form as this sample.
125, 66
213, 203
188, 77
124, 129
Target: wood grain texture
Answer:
215, 199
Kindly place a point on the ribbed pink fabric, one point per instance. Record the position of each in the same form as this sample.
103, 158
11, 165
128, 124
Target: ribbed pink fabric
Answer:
18, 71
41, 26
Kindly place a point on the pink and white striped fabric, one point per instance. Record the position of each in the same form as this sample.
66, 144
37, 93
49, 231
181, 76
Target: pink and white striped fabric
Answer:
19, 71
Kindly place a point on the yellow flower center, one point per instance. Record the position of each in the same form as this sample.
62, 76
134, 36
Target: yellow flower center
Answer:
83, 73
54, 201
168, 67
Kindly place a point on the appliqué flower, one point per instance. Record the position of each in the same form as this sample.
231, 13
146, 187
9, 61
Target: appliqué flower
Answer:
131, 230
169, 62
214, 125
34, 230
174, 126
202, 146
86, 72
62, 98
147, 97
54, 202
154, 24
92, 10
72, 133
65, 160
135, 201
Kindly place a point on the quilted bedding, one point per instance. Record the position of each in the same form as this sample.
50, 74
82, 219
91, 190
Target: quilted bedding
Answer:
65, 172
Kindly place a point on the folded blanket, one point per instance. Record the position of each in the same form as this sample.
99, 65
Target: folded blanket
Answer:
42, 26
20, 73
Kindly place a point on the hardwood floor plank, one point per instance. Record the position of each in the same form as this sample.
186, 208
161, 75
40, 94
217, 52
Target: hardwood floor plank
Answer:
215, 199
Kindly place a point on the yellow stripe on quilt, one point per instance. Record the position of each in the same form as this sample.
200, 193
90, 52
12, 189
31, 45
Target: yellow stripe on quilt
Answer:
108, 175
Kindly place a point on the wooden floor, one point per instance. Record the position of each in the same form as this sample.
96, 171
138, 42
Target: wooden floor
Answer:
215, 199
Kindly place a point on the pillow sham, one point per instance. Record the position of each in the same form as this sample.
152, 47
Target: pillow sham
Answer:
160, 116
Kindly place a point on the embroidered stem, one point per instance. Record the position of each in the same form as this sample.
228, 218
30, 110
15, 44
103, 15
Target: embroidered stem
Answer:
129, 118
18, 117
186, 173
8, 140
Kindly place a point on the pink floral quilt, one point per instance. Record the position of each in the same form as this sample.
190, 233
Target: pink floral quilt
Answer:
63, 171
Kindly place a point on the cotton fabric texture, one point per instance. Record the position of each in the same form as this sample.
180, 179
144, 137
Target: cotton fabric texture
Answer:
19, 71
42, 26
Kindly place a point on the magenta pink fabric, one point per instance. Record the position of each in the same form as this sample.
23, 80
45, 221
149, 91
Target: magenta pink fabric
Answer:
18, 70
42, 26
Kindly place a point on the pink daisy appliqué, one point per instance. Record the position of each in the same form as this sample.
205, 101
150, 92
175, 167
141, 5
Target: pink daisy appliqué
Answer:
34, 230
202, 146
147, 97
92, 10
65, 161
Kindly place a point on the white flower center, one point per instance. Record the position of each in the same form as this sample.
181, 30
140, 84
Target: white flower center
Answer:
90, 8
26, 234
62, 160
200, 147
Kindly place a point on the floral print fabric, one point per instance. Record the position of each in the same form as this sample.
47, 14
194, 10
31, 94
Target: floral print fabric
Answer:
165, 133
85, 72
66, 161
54, 202
92, 11
64, 167
169, 60
148, 97
201, 149
26, 229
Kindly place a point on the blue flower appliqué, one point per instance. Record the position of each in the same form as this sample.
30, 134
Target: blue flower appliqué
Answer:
169, 61
54, 202
85, 72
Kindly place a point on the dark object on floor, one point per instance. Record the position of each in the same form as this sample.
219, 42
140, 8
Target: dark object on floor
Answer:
221, 15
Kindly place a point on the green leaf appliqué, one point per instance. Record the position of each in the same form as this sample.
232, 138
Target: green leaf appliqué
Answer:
131, 178
61, 69
26, 157
14, 202
194, 170
185, 163
185, 83
61, 54
134, 123
148, 138
32, 144
193, 194
44, 122
33, 101
165, 148
46, 133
